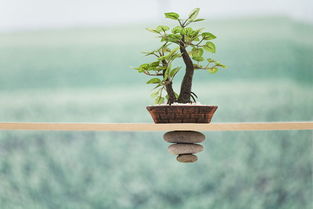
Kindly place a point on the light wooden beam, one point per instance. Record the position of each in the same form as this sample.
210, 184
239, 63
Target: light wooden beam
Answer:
255, 126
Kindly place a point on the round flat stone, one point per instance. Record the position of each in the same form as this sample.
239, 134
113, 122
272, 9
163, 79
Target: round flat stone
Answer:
184, 137
177, 149
189, 158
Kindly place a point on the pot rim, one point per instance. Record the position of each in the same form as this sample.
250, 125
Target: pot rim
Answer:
182, 105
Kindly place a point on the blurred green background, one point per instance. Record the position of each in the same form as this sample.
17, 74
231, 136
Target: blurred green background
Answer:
84, 75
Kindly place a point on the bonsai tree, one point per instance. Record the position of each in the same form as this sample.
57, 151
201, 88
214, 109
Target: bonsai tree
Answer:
181, 42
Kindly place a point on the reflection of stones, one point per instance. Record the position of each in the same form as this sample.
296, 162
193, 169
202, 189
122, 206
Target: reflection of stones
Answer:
177, 149
187, 158
184, 137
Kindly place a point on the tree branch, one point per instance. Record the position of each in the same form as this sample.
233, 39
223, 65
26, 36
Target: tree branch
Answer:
199, 42
181, 25
184, 95
150, 74
155, 54
185, 23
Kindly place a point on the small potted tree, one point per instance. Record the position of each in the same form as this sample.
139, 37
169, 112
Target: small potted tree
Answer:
192, 46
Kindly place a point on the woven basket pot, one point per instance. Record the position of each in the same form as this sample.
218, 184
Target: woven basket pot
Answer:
182, 113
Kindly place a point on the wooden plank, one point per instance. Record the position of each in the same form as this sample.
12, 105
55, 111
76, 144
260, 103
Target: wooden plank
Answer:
158, 127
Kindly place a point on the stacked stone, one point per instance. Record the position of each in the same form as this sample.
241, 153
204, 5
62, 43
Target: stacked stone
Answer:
184, 144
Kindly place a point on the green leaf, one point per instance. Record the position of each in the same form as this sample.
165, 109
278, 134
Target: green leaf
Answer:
177, 29
220, 65
210, 47
166, 50
208, 36
157, 86
174, 71
172, 15
193, 34
166, 73
159, 100
198, 20
186, 31
193, 14
196, 66
216, 63
155, 64
200, 51
162, 58
154, 80
198, 58
152, 30
147, 53
196, 52
189, 30
155, 94
213, 70
160, 68
173, 38
173, 51
176, 55
144, 66
163, 28
164, 46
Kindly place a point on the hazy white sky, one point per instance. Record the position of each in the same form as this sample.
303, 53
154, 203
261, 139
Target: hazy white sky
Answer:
29, 14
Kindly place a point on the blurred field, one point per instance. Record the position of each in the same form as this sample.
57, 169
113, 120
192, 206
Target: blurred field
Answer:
83, 75
268, 48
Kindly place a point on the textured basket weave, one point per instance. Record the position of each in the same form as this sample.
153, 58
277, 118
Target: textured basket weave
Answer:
182, 113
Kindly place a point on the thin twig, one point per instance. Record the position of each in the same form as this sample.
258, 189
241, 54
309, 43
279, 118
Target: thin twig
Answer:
150, 74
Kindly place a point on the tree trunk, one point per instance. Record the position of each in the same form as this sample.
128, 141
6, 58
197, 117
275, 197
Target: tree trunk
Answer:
169, 87
185, 90
170, 93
